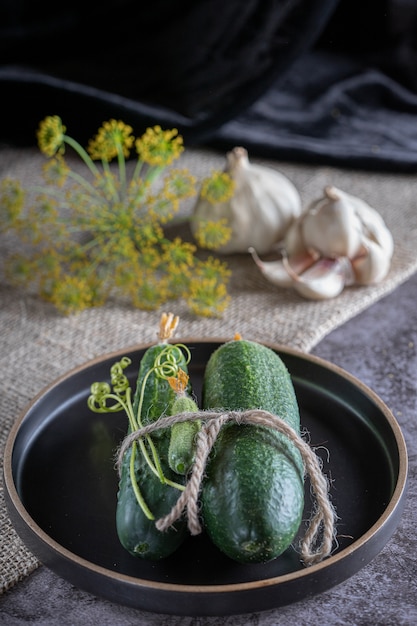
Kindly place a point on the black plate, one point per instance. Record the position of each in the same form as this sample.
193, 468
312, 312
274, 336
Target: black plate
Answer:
61, 493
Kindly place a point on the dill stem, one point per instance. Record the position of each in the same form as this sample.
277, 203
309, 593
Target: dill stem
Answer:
83, 154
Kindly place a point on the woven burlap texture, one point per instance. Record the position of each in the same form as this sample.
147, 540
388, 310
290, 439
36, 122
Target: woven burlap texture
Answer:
38, 345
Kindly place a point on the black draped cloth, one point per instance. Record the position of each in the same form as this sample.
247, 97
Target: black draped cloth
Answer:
322, 81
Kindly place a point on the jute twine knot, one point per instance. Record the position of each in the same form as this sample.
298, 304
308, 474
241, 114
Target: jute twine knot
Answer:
318, 538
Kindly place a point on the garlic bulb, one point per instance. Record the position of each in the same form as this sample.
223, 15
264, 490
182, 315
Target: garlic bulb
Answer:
263, 206
331, 227
338, 241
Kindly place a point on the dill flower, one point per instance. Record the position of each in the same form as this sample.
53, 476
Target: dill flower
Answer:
219, 187
19, 269
211, 234
109, 185
207, 297
213, 269
148, 232
150, 256
179, 183
163, 207
207, 292
87, 237
51, 135
159, 147
111, 137
74, 293
150, 290
12, 198
178, 256
137, 191
55, 171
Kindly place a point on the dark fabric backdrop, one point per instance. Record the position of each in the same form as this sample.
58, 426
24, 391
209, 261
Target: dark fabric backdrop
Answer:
327, 81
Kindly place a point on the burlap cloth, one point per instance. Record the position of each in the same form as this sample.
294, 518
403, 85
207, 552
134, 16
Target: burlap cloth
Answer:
37, 345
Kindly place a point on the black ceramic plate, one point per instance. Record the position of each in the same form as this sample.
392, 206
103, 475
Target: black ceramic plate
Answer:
61, 493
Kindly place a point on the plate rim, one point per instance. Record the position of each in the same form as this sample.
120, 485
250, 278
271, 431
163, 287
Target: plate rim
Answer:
13, 498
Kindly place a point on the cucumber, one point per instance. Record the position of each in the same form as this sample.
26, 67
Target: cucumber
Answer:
158, 394
135, 527
253, 493
137, 533
181, 450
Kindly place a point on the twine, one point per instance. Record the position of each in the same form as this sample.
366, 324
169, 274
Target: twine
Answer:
318, 538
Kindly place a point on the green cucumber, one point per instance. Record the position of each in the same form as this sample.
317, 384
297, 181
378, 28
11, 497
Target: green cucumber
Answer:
253, 493
135, 525
181, 450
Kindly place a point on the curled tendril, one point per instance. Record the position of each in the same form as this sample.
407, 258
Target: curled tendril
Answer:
119, 380
102, 392
167, 363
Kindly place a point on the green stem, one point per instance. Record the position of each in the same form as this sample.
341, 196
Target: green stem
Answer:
122, 170
83, 154
138, 169
139, 497
107, 169
153, 173
84, 183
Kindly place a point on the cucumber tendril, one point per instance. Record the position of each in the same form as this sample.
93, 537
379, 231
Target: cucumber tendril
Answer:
117, 396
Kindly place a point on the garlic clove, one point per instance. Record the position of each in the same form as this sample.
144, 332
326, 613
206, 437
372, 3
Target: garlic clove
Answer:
372, 265
274, 271
323, 280
263, 206
294, 242
331, 226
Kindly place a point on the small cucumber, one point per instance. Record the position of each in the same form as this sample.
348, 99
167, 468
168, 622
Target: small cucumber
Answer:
183, 434
135, 527
253, 493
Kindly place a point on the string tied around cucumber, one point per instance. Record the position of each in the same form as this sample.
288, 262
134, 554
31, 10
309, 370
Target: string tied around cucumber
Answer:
318, 538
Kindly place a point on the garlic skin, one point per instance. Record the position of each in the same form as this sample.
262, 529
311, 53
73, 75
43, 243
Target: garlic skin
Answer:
338, 241
263, 206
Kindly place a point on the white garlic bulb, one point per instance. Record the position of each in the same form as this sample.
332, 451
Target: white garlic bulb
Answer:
331, 227
338, 241
263, 206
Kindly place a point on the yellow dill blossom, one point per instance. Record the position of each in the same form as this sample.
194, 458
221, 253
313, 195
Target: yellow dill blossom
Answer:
159, 147
178, 256
87, 237
207, 297
19, 269
125, 277
213, 269
121, 246
137, 190
150, 256
147, 232
12, 198
108, 184
40, 223
51, 135
211, 234
73, 293
113, 136
163, 208
55, 171
219, 187
179, 183
150, 290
